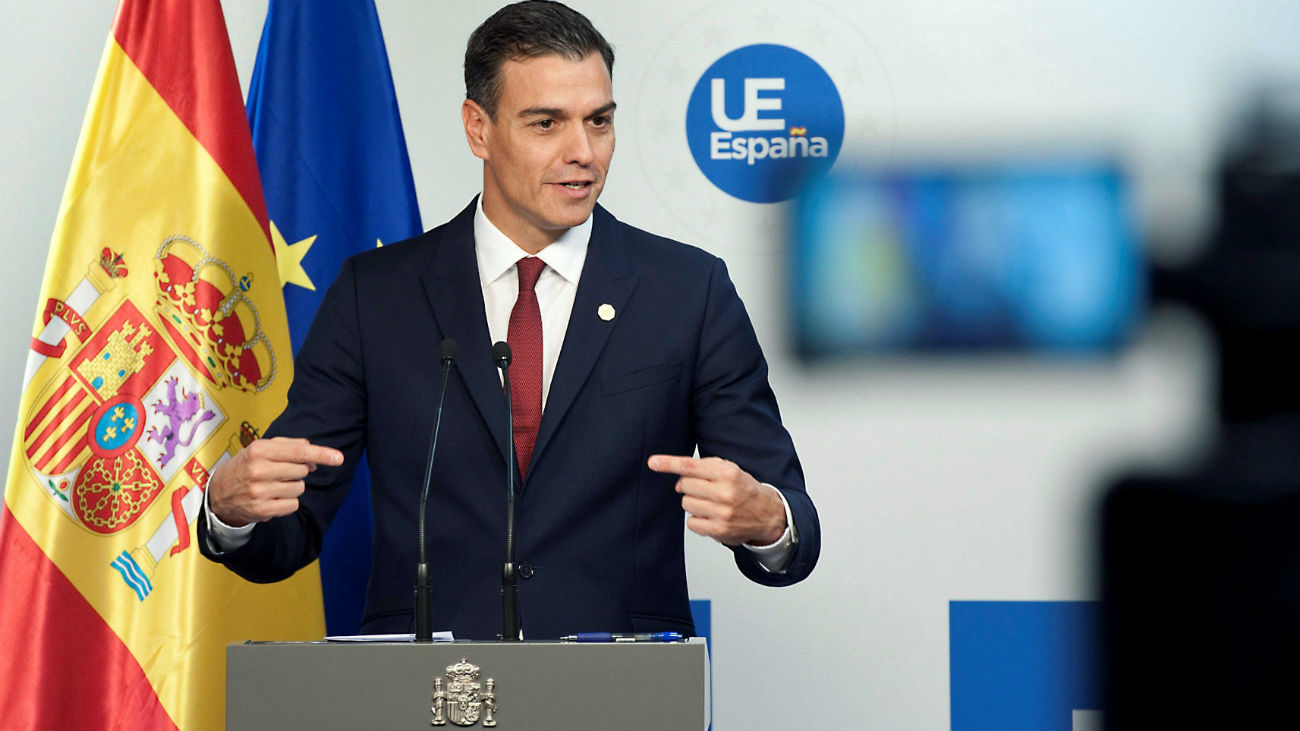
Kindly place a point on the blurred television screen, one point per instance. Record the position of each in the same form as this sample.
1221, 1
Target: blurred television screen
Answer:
1035, 255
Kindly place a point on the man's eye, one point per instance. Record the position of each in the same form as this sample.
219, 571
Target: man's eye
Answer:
544, 123
601, 121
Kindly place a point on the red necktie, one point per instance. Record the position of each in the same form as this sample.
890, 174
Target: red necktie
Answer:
525, 338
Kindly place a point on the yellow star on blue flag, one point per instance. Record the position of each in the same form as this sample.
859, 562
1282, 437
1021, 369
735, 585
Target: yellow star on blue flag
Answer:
288, 259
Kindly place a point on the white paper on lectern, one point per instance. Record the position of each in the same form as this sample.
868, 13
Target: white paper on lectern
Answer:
408, 637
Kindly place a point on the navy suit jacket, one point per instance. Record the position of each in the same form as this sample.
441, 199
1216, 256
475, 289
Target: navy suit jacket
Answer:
599, 536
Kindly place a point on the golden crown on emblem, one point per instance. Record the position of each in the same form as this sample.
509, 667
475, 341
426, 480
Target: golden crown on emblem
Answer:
206, 311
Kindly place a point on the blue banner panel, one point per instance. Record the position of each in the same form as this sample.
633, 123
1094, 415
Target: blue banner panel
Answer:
702, 613
1023, 666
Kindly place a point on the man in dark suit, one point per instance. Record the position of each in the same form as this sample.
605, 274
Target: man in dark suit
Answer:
630, 352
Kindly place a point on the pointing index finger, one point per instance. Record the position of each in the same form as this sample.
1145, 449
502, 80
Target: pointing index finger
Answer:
683, 466
316, 454
301, 451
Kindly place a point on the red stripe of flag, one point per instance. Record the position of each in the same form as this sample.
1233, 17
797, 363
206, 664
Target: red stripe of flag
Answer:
55, 644
182, 48
57, 423
67, 461
45, 410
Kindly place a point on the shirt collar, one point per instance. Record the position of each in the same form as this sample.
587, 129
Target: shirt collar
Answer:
496, 253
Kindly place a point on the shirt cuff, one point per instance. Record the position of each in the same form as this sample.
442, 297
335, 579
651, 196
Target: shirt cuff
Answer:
775, 556
223, 538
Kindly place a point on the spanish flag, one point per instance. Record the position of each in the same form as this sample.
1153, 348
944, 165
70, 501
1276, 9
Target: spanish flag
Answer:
160, 348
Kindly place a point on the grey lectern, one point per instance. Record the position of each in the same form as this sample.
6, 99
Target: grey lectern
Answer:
399, 686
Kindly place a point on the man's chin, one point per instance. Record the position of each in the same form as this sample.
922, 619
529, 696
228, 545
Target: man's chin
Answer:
573, 215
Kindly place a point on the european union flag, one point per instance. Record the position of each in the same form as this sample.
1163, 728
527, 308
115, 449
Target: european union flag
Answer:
338, 181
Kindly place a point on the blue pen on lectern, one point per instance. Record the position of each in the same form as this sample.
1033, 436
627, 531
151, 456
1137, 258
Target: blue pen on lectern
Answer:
617, 637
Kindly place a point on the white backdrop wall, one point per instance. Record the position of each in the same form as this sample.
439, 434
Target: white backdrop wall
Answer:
938, 478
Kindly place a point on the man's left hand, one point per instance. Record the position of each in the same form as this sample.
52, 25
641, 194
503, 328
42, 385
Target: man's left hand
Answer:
724, 501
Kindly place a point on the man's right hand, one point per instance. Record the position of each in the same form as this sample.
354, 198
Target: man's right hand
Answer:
265, 479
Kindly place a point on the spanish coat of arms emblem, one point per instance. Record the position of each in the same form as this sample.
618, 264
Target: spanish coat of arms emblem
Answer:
464, 700
132, 392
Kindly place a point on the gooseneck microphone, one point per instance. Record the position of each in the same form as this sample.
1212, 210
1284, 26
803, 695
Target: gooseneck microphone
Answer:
423, 589
510, 629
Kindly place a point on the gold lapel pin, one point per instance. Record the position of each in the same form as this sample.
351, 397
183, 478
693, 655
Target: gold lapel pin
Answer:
606, 312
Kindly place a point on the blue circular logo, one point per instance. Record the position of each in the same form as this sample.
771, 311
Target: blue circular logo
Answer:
761, 119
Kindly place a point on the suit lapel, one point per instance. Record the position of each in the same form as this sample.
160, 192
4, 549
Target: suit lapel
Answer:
607, 279
452, 286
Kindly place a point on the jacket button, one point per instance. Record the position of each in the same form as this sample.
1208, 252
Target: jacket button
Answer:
525, 570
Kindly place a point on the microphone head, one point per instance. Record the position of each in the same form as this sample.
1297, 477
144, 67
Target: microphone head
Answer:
501, 353
447, 351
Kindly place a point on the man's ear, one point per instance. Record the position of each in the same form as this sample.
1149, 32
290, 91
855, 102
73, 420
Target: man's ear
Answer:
477, 127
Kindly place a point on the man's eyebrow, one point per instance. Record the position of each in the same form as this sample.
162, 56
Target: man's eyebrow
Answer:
553, 112
540, 112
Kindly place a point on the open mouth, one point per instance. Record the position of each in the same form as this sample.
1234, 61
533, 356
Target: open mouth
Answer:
575, 186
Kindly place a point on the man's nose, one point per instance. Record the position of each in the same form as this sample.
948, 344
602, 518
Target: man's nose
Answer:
579, 149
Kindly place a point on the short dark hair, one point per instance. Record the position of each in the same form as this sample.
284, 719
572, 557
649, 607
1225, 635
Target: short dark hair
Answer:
526, 30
